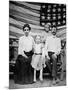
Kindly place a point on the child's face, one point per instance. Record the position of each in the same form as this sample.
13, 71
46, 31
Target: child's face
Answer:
38, 39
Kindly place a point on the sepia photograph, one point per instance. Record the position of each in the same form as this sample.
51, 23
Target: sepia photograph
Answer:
37, 44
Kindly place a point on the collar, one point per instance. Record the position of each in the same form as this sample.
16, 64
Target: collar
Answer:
54, 36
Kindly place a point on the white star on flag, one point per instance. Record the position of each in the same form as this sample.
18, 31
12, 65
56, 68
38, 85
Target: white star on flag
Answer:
54, 18
54, 14
48, 17
59, 9
63, 9
43, 14
43, 23
59, 4
58, 14
63, 21
43, 6
58, 22
48, 10
43, 17
49, 6
54, 10
63, 16
59, 17
54, 5
53, 23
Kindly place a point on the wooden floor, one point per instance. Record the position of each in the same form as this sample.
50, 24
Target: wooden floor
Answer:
47, 82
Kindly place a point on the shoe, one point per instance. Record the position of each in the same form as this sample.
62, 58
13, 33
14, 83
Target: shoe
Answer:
57, 80
41, 80
54, 82
34, 81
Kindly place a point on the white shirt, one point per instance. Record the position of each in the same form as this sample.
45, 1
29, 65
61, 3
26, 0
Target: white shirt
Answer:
25, 44
38, 48
53, 44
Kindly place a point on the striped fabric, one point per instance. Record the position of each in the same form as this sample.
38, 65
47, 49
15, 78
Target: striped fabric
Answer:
28, 12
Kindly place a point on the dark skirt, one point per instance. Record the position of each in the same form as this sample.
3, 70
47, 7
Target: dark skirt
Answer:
23, 70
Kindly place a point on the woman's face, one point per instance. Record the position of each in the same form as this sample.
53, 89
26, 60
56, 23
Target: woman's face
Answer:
46, 28
26, 31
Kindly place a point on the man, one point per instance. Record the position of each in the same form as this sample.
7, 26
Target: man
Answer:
23, 73
52, 50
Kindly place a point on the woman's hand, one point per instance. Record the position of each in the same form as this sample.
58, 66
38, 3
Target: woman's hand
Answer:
54, 56
48, 57
24, 55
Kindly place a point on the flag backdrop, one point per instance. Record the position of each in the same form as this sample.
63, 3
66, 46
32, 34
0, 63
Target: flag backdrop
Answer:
53, 13
36, 14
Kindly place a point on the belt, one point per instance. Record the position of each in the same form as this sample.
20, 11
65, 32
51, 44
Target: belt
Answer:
38, 53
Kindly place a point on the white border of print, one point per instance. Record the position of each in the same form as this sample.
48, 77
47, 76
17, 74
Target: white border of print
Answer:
4, 43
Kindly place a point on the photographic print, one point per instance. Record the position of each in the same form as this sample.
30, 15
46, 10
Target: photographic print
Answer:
37, 44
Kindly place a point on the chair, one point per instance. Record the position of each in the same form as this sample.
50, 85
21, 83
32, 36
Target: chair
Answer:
59, 68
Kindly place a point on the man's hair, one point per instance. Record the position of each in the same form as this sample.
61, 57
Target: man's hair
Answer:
26, 25
54, 27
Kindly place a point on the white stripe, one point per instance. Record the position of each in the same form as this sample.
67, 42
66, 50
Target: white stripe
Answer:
22, 23
26, 11
37, 7
10, 36
60, 27
61, 32
28, 20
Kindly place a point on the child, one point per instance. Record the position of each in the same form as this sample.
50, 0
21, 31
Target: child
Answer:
37, 60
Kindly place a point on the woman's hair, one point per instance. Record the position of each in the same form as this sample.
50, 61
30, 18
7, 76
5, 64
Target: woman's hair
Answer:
26, 25
49, 25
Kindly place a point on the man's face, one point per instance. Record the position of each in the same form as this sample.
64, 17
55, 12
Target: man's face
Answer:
26, 31
54, 31
46, 28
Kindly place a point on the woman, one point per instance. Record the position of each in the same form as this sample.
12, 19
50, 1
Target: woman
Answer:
23, 71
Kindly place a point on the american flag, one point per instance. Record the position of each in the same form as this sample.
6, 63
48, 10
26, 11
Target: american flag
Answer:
53, 13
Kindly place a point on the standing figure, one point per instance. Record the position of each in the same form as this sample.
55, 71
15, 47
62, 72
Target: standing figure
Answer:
53, 48
23, 69
47, 31
37, 61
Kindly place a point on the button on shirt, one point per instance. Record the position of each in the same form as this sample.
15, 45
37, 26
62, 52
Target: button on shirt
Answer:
25, 44
53, 44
